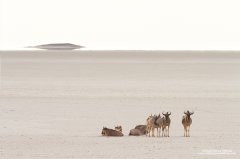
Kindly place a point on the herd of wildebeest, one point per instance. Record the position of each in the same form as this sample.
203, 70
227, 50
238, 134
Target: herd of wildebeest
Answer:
162, 124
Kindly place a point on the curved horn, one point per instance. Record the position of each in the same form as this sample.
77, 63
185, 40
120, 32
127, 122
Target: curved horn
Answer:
192, 113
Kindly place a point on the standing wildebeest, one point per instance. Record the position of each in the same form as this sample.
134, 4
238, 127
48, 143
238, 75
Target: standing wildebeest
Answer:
154, 122
111, 132
151, 124
148, 123
159, 124
166, 124
138, 130
187, 121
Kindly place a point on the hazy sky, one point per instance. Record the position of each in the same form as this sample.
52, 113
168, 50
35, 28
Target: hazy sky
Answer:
122, 24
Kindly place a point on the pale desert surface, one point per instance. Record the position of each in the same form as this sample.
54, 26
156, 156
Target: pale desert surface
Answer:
53, 105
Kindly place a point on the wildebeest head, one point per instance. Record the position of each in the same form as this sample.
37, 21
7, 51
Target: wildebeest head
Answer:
167, 114
104, 131
149, 117
188, 113
118, 128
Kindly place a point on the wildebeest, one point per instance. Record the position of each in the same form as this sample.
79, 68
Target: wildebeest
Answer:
159, 124
152, 123
111, 132
138, 130
166, 124
187, 121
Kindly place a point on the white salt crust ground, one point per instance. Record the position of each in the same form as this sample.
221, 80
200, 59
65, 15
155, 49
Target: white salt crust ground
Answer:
54, 104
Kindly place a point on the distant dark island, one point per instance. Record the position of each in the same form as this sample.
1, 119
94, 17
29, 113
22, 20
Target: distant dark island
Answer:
57, 46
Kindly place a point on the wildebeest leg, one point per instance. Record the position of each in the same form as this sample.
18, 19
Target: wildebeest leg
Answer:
153, 132
188, 131
163, 131
185, 128
168, 131
148, 131
166, 134
147, 134
159, 133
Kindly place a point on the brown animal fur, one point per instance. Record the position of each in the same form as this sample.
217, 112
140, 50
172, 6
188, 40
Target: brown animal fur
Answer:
142, 128
111, 132
187, 121
166, 124
138, 130
135, 132
151, 125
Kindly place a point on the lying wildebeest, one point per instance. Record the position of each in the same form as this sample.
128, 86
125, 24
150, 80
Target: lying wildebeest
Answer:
187, 121
111, 132
138, 130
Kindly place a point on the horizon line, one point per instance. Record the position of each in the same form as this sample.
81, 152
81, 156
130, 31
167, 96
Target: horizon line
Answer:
167, 50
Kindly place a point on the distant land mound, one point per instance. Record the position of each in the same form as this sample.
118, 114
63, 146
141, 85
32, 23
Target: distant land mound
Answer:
57, 46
